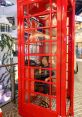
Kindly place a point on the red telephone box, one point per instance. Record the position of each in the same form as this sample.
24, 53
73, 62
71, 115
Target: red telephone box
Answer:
46, 58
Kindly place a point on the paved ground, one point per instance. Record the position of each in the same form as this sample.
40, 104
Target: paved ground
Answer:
78, 92
11, 109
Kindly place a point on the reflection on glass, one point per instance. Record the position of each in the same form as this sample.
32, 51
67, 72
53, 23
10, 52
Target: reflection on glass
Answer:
42, 87
40, 100
44, 71
26, 97
34, 48
53, 89
26, 36
53, 104
43, 101
53, 61
25, 10
54, 48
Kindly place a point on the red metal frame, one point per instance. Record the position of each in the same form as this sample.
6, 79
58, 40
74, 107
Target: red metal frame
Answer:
43, 12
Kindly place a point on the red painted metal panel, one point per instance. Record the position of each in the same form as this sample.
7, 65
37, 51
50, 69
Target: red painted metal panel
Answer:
63, 56
58, 54
72, 41
71, 57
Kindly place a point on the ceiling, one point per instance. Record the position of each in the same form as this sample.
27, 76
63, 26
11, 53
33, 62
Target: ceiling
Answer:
14, 1
7, 3
8, 10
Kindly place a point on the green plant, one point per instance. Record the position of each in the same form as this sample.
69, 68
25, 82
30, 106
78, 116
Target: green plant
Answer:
6, 49
6, 41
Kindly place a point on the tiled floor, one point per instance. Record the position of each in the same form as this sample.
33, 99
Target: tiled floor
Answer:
11, 109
